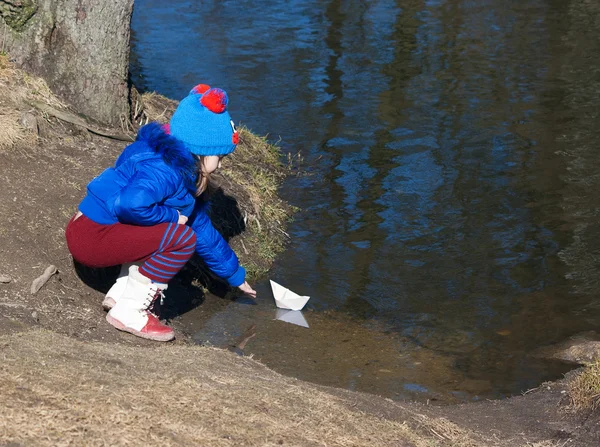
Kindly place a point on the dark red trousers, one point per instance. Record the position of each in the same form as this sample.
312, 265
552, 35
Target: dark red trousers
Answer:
162, 249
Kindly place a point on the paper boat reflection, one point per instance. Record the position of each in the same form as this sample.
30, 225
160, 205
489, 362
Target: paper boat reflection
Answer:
286, 299
291, 316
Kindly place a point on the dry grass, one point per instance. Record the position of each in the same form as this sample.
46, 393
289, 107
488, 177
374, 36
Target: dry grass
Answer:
57, 391
5, 66
256, 167
584, 389
9, 118
16, 88
254, 172
38, 90
562, 443
11, 129
151, 106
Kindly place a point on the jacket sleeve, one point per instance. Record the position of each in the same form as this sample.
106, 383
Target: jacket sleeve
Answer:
140, 202
215, 251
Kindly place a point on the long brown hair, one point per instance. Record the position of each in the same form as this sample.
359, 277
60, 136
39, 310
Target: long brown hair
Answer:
203, 182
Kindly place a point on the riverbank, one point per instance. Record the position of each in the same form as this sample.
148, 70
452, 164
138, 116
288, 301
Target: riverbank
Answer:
66, 375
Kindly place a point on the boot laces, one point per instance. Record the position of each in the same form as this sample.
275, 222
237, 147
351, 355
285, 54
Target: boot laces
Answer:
153, 295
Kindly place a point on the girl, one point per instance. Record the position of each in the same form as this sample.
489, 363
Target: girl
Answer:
145, 212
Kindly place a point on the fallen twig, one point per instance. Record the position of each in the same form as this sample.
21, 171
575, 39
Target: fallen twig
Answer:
258, 224
39, 282
77, 120
438, 435
244, 247
530, 390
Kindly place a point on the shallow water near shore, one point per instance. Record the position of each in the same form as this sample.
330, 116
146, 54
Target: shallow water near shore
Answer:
448, 223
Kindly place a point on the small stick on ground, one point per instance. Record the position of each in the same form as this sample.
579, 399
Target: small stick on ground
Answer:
438, 435
531, 390
39, 282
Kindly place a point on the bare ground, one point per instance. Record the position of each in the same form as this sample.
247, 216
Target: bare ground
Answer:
67, 378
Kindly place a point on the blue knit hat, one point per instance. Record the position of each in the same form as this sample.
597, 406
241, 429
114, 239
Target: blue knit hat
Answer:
202, 124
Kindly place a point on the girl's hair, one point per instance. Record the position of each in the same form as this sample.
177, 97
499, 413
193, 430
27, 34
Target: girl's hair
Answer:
203, 187
201, 183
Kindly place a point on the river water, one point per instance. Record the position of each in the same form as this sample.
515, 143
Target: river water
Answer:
448, 224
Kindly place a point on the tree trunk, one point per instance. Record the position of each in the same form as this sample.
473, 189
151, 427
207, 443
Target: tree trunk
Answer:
80, 47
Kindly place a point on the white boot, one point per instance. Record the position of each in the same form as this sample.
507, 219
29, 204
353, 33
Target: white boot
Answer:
131, 314
116, 291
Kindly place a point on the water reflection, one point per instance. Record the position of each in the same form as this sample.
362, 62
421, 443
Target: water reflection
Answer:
450, 151
291, 316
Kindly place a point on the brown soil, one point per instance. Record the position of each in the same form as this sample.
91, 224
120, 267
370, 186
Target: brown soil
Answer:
68, 378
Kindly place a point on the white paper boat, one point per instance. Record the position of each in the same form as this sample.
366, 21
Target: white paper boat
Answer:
291, 316
286, 299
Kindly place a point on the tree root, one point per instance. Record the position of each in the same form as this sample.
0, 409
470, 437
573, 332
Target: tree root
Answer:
78, 121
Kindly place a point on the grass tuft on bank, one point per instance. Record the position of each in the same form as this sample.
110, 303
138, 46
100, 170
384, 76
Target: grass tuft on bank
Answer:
584, 389
11, 130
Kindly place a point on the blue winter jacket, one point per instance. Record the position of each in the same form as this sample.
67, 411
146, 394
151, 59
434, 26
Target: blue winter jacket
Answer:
153, 178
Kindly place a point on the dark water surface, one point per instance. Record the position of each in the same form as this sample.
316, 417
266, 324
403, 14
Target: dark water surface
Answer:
449, 222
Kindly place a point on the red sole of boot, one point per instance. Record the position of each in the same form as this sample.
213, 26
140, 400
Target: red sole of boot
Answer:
159, 337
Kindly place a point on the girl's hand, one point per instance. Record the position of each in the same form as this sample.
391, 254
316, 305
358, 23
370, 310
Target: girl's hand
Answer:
247, 290
182, 219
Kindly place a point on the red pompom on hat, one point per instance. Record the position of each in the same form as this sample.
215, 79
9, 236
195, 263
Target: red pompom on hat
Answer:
200, 88
215, 100
202, 123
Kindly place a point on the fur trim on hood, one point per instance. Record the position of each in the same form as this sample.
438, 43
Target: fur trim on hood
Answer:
173, 152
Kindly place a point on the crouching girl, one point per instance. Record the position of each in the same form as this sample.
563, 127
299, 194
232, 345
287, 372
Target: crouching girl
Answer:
145, 213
